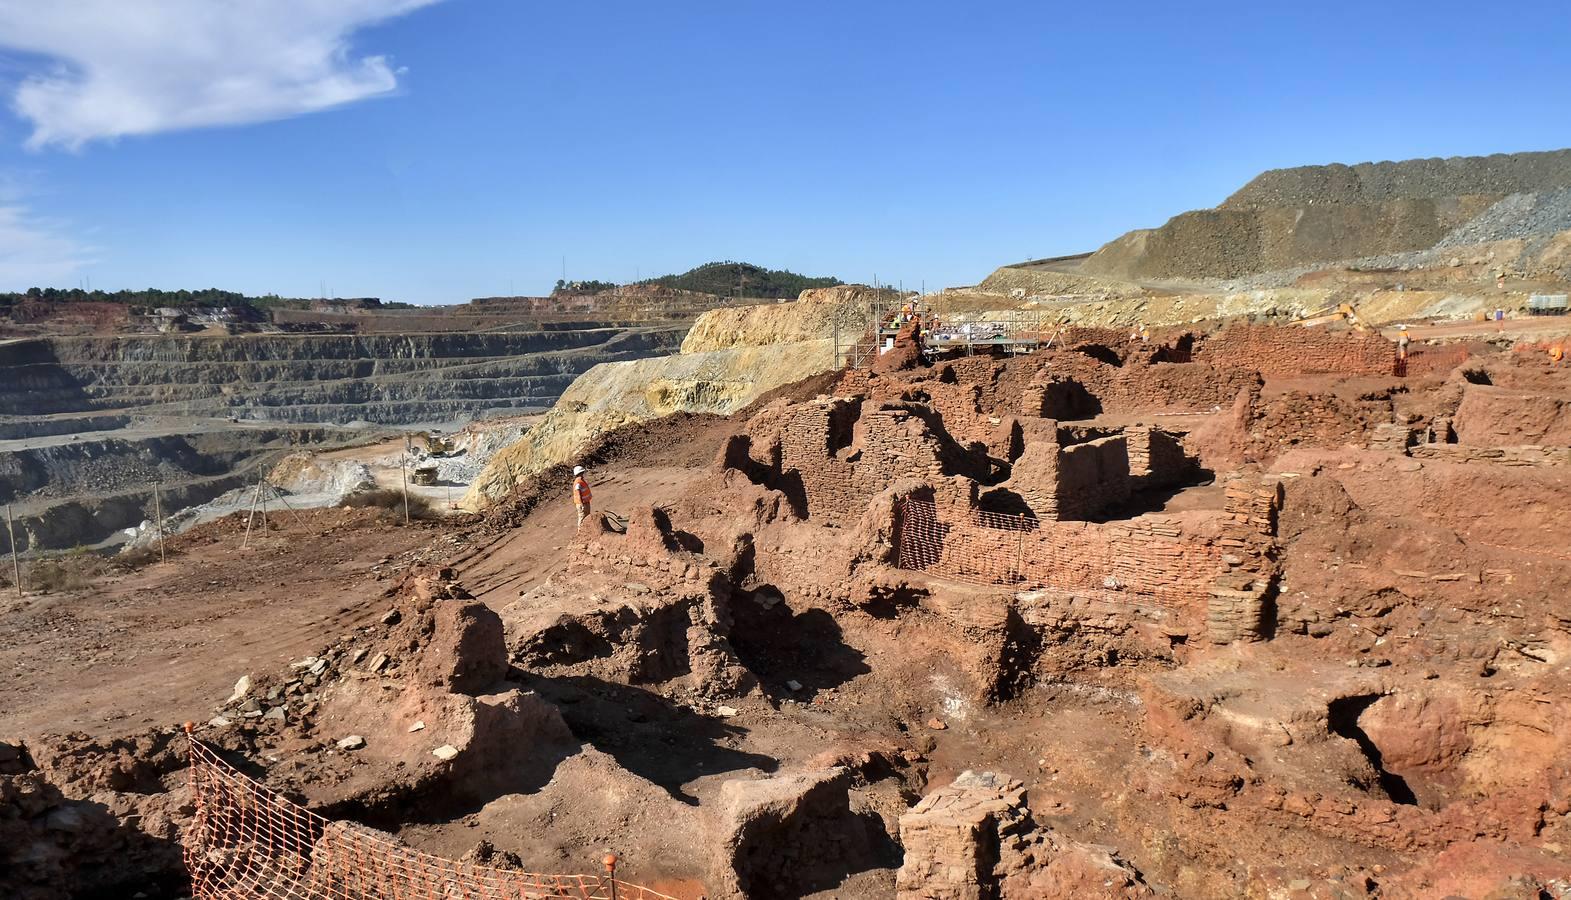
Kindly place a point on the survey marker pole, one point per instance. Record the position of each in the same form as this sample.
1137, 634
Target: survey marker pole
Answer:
403, 473
16, 565
158, 516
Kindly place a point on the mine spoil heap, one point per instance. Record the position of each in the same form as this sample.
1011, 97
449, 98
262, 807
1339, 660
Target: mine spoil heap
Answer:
1222, 613
1311, 215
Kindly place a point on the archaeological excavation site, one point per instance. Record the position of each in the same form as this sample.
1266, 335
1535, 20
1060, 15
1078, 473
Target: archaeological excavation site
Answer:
1230, 560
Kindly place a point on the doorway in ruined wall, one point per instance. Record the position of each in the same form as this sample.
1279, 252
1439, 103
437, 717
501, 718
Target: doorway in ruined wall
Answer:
1067, 399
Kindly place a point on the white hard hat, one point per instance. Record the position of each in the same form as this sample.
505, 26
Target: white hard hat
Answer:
578, 470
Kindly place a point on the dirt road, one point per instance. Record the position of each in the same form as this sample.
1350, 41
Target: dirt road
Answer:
166, 644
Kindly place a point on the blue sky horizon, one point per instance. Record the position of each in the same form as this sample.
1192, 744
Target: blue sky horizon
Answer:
432, 151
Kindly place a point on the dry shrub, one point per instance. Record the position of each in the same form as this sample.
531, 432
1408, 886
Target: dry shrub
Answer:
137, 557
392, 502
72, 570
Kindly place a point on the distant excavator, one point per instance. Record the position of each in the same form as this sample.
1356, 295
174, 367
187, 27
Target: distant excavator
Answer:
1341, 312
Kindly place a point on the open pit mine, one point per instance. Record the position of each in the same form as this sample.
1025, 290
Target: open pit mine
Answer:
1135, 574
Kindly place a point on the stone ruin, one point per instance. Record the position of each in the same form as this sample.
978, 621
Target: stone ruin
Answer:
1236, 569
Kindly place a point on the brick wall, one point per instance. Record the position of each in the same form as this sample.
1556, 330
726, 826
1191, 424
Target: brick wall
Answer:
1152, 558
1157, 458
1300, 419
1059, 390
1276, 351
1238, 599
833, 463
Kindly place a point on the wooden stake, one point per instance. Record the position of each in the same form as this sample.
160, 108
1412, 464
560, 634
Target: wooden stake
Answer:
252, 515
158, 516
16, 565
403, 471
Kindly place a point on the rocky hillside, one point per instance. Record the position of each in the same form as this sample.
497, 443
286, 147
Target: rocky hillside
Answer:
730, 357
1295, 217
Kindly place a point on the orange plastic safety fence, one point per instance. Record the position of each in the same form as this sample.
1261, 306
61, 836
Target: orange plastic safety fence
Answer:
247, 841
987, 548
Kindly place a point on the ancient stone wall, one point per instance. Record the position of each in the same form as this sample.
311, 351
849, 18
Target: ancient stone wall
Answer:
1152, 558
1092, 477
1157, 458
1057, 480
1073, 385
1236, 609
1286, 352
832, 463
1526, 455
1299, 419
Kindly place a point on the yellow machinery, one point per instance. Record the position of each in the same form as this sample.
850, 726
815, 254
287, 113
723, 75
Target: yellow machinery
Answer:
1341, 312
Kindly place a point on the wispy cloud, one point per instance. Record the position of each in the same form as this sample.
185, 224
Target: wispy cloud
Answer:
36, 251
121, 68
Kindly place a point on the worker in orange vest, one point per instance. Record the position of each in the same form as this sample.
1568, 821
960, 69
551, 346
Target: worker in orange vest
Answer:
1556, 354
581, 494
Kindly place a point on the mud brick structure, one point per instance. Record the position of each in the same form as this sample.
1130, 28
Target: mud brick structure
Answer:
1275, 351
836, 453
1074, 482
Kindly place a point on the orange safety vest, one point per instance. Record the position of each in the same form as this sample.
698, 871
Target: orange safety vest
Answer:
1556, 353
582, 488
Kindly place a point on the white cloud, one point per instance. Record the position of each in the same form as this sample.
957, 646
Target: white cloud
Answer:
127, 67
36, 251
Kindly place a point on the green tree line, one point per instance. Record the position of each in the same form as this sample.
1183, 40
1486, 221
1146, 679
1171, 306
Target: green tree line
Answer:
206, 297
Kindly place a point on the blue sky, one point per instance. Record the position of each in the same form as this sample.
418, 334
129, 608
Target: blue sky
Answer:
436, 151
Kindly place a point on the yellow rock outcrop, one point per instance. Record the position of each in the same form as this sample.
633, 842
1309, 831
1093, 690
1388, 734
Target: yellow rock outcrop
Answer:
730, 357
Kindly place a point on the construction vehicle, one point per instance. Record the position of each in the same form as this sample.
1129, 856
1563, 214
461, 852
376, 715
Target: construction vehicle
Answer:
1341, 312
1548, 304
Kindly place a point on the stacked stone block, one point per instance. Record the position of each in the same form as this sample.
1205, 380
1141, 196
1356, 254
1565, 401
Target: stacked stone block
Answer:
1240, 597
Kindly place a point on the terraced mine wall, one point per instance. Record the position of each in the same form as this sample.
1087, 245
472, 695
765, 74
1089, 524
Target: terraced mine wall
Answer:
89, 424
385, 379
82, 491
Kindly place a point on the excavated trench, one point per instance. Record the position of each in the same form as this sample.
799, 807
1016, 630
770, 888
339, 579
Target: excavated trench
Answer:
1342, 718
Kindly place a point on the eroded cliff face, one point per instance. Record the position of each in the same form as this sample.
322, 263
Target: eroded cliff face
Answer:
730, 357
809, 318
